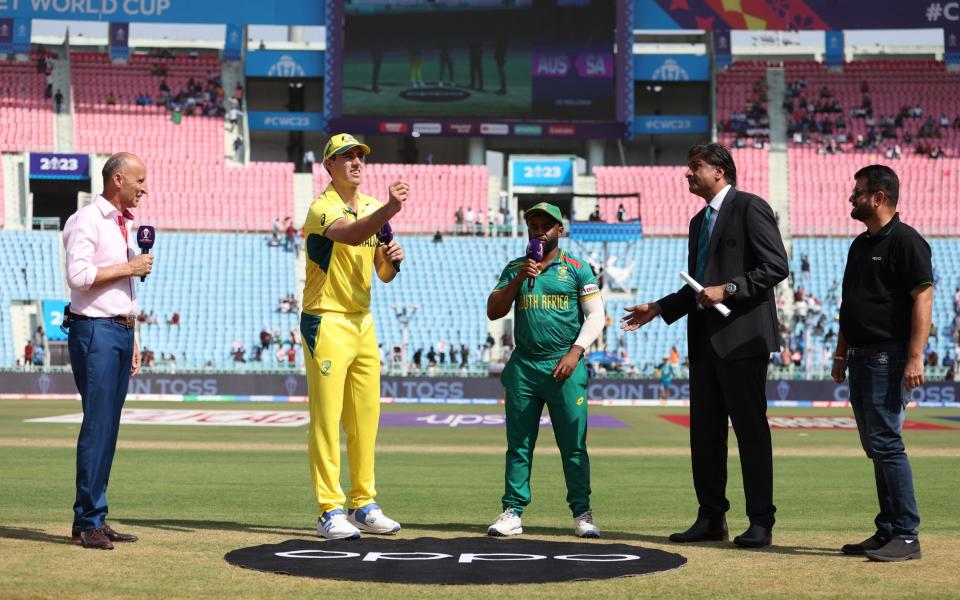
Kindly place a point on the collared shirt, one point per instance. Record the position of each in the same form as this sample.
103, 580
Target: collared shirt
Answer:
92, 238
548, 318
882, 271
715, 205
338, 275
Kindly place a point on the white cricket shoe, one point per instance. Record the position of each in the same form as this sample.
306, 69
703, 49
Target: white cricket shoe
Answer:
371, 519
508, 523
333, 525
585, 527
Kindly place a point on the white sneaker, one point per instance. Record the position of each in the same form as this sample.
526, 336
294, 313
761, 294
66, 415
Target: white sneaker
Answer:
372, 520
508, 523
585, 527
333, 525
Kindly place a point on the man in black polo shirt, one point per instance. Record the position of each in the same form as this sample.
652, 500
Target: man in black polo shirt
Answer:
884, 321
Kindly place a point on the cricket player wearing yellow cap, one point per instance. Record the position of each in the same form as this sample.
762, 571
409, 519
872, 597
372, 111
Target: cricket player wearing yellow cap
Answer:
339, 340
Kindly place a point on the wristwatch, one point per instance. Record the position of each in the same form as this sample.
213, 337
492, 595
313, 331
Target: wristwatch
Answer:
730, 289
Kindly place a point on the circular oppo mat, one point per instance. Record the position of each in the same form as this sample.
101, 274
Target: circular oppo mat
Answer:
470, 560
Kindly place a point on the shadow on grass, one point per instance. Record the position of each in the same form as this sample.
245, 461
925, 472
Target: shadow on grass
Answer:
34, 535
623, 536
188, 526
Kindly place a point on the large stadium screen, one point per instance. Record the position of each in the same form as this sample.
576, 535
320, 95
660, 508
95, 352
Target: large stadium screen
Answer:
477, 67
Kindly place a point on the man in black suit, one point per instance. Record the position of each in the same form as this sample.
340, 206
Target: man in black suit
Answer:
736, 253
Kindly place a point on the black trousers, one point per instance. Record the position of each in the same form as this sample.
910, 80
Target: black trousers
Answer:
721, 388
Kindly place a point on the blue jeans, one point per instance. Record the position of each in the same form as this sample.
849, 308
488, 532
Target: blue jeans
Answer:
879, 401
101, 352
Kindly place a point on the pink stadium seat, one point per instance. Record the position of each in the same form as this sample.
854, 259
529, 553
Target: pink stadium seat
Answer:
190, 185
437, 191
666, 205
26, 118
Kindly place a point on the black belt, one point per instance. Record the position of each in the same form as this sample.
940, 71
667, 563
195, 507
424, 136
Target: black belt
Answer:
126, 321
874, 349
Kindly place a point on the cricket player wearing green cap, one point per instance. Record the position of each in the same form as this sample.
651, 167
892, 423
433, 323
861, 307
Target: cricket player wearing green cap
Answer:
558, 315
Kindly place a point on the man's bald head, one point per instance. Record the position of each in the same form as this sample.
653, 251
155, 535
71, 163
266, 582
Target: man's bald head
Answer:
124, 180
117, 164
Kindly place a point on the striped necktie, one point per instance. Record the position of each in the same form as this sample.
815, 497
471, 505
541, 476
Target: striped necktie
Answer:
703, 244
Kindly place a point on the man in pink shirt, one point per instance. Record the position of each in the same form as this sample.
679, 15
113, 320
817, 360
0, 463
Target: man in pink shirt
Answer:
101, 269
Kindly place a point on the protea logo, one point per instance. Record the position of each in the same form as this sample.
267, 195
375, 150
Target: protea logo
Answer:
43, 383
783, 390
286, 67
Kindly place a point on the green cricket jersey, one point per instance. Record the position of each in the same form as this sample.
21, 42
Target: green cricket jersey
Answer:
547, 320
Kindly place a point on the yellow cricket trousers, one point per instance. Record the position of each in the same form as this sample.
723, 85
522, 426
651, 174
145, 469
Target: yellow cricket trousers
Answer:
343, 383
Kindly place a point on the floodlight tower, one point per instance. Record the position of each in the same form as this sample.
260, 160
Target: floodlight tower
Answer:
404, 314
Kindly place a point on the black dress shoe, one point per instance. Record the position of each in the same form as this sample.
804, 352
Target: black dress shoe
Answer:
756, 536
703, 530
868, 545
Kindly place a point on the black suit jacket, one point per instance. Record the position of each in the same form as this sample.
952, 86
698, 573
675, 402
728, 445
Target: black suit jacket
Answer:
746, 249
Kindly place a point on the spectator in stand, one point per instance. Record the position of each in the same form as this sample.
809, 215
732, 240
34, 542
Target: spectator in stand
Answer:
39, 337
464, 355
289, 234
111, 100
238, 148
28, 354
265, 339
956, 122
944, 121
458, 216
234, 118
174, 319
621, 214
470, 219
238, 94
58, 101
418, 357
292, 356
308, 159
437, 237
432, 357
238, 353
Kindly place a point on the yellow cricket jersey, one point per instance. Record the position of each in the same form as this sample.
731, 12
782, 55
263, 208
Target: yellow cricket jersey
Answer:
338, 275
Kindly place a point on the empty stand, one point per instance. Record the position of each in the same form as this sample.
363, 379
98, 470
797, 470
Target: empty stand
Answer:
225, 287
666, 204
436, 192
30, 270
26, 117
191, 186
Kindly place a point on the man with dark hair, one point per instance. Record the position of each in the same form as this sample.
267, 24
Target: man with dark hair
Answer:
885, 317
101, 269
736, 252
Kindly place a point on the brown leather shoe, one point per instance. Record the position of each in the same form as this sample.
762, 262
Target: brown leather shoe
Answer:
113, 536
95, 538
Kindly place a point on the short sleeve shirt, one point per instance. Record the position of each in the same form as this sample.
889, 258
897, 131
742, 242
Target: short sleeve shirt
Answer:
881, 271
547, 319
338, 275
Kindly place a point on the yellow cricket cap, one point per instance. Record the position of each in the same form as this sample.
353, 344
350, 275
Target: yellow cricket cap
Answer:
342, 142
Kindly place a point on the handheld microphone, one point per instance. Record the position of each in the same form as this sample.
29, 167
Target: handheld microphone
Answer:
146, 235
534, 251
385, 236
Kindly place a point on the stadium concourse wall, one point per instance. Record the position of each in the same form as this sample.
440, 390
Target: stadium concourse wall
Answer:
203, 386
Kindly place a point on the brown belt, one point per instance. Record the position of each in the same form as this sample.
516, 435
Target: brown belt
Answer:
127, 321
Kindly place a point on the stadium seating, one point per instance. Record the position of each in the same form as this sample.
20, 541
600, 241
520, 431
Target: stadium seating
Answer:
666, 204
26, 117
821, 184
190, 185
828, 257
437, 191
735, 93
225, 287
30, 270
893, 84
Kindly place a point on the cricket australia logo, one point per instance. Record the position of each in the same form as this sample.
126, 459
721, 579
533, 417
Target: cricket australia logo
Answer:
325, 367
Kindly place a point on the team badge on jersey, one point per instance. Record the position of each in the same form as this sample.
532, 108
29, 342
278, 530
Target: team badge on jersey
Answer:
562, 272
325, 367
